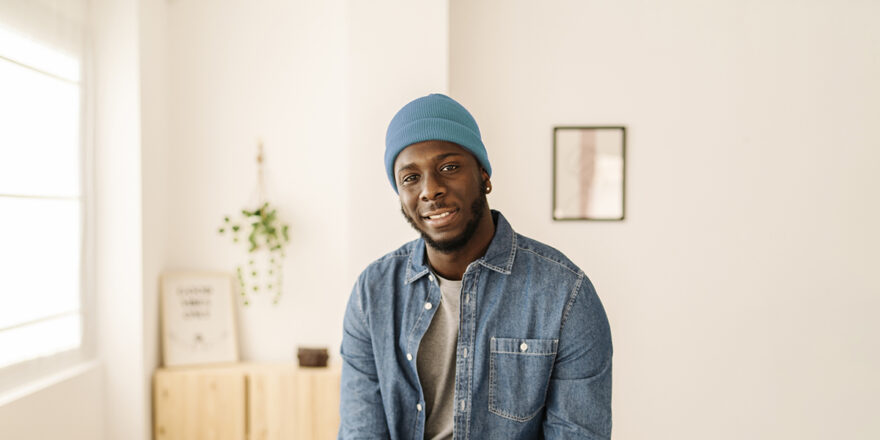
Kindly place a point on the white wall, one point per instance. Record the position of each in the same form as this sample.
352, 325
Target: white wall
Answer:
239, 72
156, 216
740, 287
119, 220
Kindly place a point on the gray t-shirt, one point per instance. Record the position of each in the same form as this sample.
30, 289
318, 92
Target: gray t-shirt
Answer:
436, 362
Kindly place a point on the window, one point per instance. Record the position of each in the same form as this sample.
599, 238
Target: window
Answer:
42, 203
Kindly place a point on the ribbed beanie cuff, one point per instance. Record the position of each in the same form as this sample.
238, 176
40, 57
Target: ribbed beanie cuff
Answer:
433, 117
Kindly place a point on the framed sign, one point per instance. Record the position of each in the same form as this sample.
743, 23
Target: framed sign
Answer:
589, 173
198, 319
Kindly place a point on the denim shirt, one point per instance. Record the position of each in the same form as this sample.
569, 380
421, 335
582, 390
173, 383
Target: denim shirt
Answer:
533, 358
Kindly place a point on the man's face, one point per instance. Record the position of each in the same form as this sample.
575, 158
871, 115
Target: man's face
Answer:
441, 187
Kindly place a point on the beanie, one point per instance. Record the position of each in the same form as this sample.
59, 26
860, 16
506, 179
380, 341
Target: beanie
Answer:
429, 118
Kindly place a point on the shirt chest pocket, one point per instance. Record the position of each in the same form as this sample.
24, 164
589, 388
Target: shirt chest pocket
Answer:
519, 373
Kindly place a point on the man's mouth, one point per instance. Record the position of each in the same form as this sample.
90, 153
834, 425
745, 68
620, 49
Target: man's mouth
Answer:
439, 217
435, 217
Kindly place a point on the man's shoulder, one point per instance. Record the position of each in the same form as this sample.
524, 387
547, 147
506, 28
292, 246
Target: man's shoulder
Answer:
544, 254
391, 260
380, 281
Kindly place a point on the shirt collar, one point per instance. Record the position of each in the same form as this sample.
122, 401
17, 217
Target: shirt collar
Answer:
499, 256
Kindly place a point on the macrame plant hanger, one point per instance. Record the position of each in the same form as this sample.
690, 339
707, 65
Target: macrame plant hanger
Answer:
266, 237
261, 183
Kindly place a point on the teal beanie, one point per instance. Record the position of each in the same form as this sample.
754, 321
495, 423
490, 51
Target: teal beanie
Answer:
434, 117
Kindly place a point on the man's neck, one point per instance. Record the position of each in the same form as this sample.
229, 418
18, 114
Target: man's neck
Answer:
453, 264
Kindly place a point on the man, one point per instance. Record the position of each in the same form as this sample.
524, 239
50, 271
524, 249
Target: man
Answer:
472, 331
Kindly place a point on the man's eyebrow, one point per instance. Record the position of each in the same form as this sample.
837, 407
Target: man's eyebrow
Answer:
436, 158
406, 167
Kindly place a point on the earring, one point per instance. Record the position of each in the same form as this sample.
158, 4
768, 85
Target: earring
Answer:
488, 189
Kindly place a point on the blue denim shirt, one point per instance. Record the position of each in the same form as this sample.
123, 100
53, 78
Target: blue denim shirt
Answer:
533, 358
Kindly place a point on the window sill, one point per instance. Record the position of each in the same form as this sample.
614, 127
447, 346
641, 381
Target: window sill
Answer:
34, 386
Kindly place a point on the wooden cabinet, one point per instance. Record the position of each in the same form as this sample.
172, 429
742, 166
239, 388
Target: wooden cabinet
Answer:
246, 402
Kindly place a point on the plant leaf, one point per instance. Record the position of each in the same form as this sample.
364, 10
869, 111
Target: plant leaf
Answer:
252, 238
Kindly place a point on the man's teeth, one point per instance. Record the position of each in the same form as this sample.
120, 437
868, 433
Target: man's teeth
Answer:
435, 217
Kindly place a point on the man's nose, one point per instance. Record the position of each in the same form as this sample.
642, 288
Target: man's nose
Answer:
432, 188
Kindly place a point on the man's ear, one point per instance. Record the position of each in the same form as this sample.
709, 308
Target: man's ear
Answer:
487, 185
484, 175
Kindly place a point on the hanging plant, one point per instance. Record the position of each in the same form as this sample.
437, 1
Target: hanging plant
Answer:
266, 236
263, 232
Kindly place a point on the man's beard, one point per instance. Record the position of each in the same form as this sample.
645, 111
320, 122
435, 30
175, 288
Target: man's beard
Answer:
478, 209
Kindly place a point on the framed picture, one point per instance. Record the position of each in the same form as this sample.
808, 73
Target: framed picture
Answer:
198, 318
589, 170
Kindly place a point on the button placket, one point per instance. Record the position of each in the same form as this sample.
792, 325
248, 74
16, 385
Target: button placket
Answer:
467, 328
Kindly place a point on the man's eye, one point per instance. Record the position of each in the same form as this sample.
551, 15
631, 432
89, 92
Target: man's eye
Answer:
449, 167
408, 178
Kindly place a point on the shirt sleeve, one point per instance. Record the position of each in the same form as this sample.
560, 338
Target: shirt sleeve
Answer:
579, 396
362, 414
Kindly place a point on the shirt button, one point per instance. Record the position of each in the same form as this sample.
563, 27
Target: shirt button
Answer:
461, 404
523, 346
428, 306
431, 277
419, 407
465, 352
409, 356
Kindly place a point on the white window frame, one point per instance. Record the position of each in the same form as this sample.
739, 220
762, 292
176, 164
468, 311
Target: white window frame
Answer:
23, 375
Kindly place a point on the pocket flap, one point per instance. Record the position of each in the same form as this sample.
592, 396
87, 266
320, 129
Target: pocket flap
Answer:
525, 346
